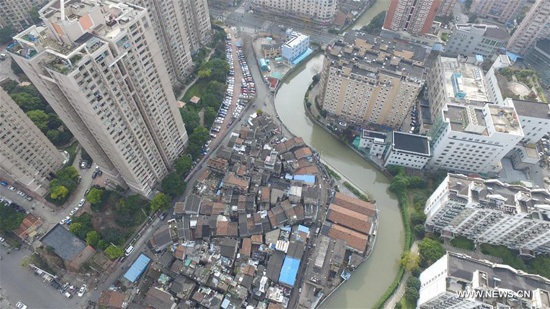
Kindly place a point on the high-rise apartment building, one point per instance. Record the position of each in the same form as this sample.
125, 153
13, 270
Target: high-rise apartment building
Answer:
99, 66
476, 39
412, 16
535, 26
321, 11
182, 27
489, 211
446, 7
460, 281
504, 11
370, 79
17, 12
26, 155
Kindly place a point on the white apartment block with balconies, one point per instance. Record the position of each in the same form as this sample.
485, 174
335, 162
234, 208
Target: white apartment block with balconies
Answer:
489, 211
27, 157
98, 66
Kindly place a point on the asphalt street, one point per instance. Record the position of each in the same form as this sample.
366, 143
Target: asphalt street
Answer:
21, 284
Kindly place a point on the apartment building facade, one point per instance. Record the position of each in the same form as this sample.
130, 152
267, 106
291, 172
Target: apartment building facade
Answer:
489, 211
321, 11
17, 12
446, 7
412, 16
98, 66
476, 39
181, 27
370, 79
504, 11
26, 156
453, 274
535, 26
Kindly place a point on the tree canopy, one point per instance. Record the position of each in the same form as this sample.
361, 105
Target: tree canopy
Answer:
26, 101
39, 118
114, 252
94, 196
183, 164
173, 185
92, 238
430, 250
160, 202
9, 218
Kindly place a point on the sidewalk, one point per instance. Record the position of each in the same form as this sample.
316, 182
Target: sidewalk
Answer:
400, 291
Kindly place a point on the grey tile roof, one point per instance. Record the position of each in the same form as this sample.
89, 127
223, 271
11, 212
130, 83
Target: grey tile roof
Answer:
65, 244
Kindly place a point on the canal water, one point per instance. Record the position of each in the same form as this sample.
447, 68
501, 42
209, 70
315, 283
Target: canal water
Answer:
372, 279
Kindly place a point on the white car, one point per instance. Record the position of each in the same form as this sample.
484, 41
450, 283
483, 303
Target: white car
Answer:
20, 305
73, 211
82, 201
64, 220
82, 290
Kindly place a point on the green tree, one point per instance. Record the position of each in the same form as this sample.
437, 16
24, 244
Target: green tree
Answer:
160, 202
468, 4
26, 101
259, 112
9, 218
6, 34
375, 24
399, 183
183, 165
92, 238
210, 115
112, 235
58, 192
76, 228
419, 230
411, 295
418, 217
173, 185
205, 73
39, 118
413, 282
114, 252
190, 118
33, 12
95, 196
54, 122
15, 68
410, 260
197, 140
102, 244
10, 85
430, 250
53, 136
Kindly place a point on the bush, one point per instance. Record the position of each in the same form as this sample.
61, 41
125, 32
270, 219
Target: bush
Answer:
413, 282
356, 192
114, 252
411, 295
463, 243
419, 230
430, 250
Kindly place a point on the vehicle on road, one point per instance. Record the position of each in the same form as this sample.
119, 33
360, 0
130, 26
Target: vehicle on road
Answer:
82, 290
12, 188
83, 164
3, 183
20, 305
82, 201
129, 250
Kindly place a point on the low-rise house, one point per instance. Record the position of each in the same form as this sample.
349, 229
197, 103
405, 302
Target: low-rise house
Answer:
28, 227
110, 299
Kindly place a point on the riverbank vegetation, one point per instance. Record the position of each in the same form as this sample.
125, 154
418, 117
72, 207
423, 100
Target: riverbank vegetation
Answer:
356, 192
375, 24
332, 173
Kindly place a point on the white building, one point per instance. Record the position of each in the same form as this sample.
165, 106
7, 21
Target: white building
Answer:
296, 45
408, 150
534, 118
98, 65
473, 138
489, 211
457, 273
27, 157
534, 26
476, 39
494, 94
374, 141
320, 11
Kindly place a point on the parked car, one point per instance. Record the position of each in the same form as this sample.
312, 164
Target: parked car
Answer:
83, 164
3, 183
20, 305
82, 201
28, 198
82, 290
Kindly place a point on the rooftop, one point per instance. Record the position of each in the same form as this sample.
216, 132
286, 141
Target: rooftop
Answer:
289, 271
463, 80
411, 142
137, 268
544, 45
490, 31
349, 218
531, 109
65, 244
354, 204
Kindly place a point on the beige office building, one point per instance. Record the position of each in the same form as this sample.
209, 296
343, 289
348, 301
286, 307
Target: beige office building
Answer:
535, 25
100, 67
370, 79
322, 11
27, 157
182, 27
16, 12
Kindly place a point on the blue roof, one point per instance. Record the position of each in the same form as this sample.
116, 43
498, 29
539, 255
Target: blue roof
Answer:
305, 178
479, 58
513, 57
437, 47
137, 268
301, 57
289, 271
304, 229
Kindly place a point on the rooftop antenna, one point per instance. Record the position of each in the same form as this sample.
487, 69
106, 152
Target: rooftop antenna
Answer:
62, 7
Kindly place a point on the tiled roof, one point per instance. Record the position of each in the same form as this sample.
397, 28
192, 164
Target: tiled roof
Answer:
354, 204
349, 218
352, 238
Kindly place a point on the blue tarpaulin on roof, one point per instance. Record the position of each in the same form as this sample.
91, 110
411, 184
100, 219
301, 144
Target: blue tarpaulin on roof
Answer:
137, 268
289, 271
310, 179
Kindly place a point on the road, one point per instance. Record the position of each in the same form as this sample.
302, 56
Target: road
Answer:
5, 67
457, 11
19, 284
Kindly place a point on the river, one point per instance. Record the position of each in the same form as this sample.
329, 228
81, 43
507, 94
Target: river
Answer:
372, 279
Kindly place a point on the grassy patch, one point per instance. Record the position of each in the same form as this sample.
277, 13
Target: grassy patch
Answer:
196, 90
356, 192
332, 173
463, 243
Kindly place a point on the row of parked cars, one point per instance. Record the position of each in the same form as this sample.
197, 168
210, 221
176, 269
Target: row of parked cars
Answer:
4, 183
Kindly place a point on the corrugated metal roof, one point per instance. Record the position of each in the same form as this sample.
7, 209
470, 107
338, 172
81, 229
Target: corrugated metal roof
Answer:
137, 268
289, 271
